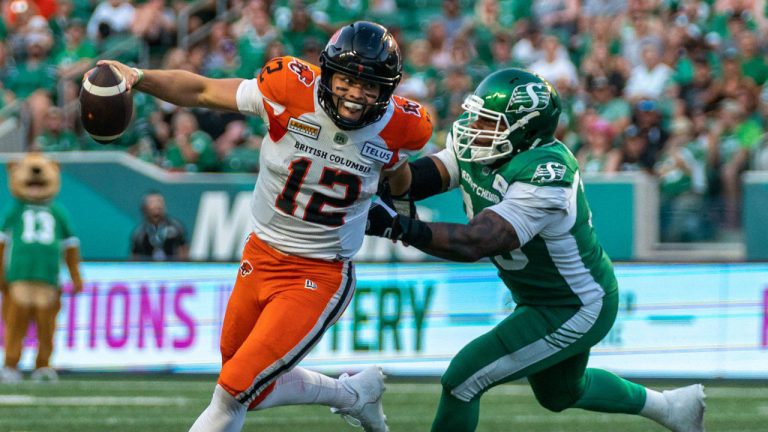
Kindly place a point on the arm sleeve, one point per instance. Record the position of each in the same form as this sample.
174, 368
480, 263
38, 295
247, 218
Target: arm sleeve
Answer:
531, 209
249, 98
448, 158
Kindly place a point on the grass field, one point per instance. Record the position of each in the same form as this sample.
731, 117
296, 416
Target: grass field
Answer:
88, 403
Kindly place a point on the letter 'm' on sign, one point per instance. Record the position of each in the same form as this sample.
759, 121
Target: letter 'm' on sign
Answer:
220, 231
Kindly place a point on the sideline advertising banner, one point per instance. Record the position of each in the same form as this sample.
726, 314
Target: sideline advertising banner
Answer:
675, 321
103, 191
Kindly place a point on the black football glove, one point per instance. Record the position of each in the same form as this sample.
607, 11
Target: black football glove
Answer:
402, 204
383, 221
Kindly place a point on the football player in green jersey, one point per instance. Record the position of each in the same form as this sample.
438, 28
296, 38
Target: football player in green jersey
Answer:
529, 215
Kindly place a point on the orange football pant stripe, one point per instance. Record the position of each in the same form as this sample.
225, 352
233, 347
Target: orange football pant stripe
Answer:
278, 310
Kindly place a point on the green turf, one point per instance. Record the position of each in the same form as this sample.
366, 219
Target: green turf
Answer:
166, 403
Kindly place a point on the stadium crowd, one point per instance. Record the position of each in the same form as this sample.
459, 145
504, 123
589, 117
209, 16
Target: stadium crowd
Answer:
673, 88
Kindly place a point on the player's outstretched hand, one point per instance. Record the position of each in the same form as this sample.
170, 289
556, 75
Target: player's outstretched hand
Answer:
131, 74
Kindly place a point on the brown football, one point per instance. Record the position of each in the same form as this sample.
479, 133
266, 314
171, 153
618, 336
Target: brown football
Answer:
106, 107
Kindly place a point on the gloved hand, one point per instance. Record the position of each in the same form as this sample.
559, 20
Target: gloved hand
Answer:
381, 219
402, 204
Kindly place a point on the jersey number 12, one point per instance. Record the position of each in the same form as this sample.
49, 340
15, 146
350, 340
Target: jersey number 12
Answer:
330, 177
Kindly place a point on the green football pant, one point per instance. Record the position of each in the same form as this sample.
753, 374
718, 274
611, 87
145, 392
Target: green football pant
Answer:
550, 346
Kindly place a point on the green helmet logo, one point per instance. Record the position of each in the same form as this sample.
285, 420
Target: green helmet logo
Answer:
512, 110
528, 97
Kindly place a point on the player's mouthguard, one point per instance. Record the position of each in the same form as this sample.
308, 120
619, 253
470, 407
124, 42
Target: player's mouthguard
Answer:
352, 105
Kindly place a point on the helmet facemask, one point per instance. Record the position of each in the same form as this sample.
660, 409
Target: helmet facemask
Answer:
371, 112
466, 136
368, 52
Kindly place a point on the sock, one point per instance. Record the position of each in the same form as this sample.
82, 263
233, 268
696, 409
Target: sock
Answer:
607, 392
301, 386
656, 407
454, 415
223, 414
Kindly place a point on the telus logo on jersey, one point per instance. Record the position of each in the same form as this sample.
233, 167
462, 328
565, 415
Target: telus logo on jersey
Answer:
304, 128
549, 172
377, 153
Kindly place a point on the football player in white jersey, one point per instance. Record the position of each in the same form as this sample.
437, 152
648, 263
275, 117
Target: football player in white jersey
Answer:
333, 131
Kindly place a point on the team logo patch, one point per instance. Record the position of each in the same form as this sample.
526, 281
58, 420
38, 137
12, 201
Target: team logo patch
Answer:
548, 172
245, 268
377, 153
340, 138
303, 128
305, 74
408, 107
529, 97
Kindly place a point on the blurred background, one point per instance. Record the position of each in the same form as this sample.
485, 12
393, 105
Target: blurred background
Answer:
665, 109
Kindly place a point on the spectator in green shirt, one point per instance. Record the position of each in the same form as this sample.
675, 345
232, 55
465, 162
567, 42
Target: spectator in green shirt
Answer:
752, 62
603, 100
335, 13
190, 149
420, 78
223, 62
732, 138
681, 184
301, 28
501, 53
254, 31
598, 148
34, 79
239, 150
55, 137
74, 58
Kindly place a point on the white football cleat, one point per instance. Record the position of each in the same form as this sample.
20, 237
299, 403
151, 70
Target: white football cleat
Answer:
10, 375
44, 374
686, 408
367, 411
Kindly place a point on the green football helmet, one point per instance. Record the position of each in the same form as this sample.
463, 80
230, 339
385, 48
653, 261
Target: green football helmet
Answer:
524, 107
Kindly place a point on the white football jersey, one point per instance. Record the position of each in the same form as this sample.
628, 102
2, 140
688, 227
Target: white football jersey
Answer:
315, 181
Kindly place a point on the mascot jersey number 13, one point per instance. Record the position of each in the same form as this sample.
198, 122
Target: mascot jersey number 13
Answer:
34, 232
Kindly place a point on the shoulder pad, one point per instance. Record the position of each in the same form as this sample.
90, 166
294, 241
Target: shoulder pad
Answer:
544, 167
289, 82
410, 126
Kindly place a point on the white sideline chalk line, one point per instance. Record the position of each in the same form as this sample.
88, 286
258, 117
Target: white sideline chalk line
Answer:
21, 400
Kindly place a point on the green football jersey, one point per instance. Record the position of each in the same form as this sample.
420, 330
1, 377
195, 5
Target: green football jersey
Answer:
34, 237
540, 192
